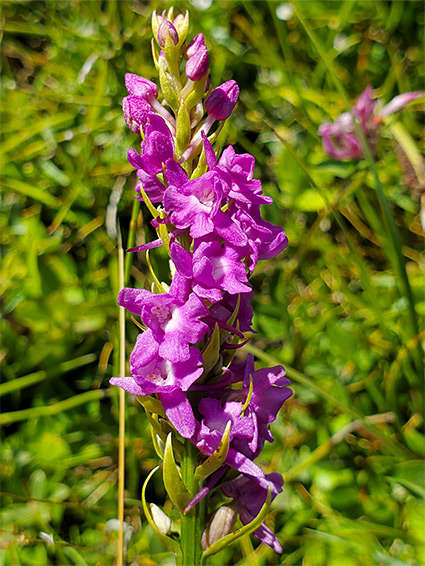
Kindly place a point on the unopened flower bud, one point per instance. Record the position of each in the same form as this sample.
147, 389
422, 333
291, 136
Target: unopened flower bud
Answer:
167, 34
161, 520
221, 525
181, 23
222, 100
138, 86
194, 45
135, 110
198, 64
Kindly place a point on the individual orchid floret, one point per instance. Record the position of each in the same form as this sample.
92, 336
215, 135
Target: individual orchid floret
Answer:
173, 323
248, 498
265, 240
239, 168
158, 147
221, 102
340, 139
198, 65
213, 267
269, 392
195, 205
160, 375
167, 379
156, 150
208, 437
219, 106
194, 46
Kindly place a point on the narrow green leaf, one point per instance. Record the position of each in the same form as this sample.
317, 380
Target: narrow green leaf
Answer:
28, 380
173, 482
33, 192
48, 410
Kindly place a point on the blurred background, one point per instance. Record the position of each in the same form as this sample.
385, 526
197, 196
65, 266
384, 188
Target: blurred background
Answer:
333, 308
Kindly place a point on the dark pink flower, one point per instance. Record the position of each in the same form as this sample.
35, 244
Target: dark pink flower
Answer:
340, 139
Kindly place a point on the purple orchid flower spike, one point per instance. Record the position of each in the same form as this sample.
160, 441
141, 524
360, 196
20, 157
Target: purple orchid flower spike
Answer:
215, 413
340, 139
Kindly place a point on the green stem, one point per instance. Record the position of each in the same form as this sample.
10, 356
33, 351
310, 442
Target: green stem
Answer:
192, 524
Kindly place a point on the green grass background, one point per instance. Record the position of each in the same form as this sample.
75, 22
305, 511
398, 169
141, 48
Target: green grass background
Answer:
334, 308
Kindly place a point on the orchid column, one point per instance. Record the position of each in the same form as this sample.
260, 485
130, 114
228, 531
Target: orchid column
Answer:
210, 412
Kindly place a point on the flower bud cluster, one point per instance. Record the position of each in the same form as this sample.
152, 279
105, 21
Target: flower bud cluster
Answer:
340, 139
210, 222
